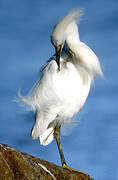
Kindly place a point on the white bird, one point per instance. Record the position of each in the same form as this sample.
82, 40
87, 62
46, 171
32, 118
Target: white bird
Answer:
65, 82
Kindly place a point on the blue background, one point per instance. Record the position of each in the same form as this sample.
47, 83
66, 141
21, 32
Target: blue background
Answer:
25, 28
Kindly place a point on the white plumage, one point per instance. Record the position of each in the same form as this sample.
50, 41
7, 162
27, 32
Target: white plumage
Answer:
61, 93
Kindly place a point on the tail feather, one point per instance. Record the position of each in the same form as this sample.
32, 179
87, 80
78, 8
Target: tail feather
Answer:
47, 137
35, 132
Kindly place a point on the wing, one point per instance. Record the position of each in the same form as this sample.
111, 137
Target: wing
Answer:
42, 94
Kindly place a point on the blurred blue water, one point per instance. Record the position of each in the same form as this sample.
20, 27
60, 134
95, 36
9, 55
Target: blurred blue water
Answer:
25, 28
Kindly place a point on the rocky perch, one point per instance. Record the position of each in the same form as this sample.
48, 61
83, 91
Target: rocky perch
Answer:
15, 165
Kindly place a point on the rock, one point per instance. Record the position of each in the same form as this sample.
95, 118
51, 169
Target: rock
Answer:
15, 165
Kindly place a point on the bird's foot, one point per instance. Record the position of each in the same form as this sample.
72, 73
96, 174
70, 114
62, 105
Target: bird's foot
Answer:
71, 169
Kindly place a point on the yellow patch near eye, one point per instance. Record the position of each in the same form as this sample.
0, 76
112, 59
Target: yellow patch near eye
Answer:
58, 48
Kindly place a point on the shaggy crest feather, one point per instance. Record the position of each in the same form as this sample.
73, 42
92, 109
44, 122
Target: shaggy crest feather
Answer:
59, 32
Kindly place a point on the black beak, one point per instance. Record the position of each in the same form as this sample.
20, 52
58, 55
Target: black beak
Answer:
58, 54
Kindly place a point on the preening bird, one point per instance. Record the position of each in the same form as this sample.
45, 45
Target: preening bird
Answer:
65, 82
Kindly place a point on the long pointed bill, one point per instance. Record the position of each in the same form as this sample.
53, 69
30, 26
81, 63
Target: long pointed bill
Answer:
58, 54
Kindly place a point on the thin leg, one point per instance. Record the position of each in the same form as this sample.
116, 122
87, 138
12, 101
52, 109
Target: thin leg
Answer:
63, 162
57, 137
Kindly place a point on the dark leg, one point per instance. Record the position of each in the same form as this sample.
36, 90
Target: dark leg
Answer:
63, 162
57, 137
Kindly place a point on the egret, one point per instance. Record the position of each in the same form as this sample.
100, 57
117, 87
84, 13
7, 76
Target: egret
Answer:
65, 82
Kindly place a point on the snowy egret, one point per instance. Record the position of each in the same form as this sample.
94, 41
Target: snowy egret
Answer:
65, 82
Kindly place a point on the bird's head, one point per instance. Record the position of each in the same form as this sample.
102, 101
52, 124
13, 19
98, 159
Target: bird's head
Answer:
62, 30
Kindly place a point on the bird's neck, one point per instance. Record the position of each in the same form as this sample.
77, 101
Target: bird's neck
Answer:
72, 32
72, 43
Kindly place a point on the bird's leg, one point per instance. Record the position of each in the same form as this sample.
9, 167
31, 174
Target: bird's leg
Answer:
57, 137
63, 162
